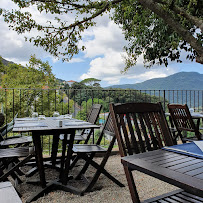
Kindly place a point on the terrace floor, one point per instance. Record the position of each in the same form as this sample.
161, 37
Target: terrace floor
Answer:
104, 190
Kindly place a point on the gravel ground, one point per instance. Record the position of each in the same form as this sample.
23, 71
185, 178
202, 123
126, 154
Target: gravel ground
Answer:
104, 190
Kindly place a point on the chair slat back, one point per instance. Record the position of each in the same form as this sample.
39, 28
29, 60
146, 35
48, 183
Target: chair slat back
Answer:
140, 127
94, 113
181, 117
92, 118
108, 129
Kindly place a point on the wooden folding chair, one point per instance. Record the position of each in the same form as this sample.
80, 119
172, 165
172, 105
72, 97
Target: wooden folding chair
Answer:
17, 140
142, 127
10, 162
92, 118
88, 151
183, 121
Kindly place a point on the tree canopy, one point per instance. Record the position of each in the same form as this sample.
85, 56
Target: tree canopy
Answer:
36, 74
91, 81
158, 29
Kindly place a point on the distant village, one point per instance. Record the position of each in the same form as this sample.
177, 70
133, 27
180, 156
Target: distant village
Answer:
70, 82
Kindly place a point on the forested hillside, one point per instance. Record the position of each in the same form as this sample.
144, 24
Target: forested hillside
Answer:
178, 81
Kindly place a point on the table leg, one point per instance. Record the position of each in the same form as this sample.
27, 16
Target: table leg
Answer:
39, 158
69, 156
64, 143
54, 149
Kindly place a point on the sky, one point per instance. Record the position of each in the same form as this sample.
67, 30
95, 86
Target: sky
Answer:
102, 58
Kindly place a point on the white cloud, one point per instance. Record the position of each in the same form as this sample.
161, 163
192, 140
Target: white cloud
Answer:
104, 45
13, 47
104, 49
76, 60
102, 39
109, 67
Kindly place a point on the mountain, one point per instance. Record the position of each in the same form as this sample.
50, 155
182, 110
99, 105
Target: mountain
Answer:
178, 81
5, 62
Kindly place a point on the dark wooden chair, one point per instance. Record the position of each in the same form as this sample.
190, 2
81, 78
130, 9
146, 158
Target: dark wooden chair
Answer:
10, 161
183, 121
88, 151
92, 118
8, 193
142, 127
17, 140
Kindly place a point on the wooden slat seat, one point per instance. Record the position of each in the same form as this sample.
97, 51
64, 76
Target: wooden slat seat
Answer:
15, 152
8, 193
16, 141
80, 148
11, 163
177, 196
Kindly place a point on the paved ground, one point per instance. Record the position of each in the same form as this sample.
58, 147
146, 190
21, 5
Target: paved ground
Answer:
104, 191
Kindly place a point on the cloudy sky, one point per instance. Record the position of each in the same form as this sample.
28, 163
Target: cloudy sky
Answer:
102, 59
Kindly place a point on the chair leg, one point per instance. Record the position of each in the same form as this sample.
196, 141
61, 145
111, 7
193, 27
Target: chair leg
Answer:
85, 167
101, 169
20, 172
10, 171
95, 178
16, 178
198, 135
75, 160
181, 137
131, 185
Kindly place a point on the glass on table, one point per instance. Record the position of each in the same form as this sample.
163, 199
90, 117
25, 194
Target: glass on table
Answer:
41, 117
34, 114
68, 116
56, 114
191, 110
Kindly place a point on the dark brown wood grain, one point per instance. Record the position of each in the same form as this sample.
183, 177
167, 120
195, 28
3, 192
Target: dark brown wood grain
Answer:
142, 128
184, 179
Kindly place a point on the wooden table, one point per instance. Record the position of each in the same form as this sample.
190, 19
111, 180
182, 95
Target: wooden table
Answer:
180, 170
50, 126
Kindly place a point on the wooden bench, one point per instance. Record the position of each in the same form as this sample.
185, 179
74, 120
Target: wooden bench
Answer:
8, 193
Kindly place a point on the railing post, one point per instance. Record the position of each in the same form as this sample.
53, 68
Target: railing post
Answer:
164, 100
13, 104
6, 109
55, 100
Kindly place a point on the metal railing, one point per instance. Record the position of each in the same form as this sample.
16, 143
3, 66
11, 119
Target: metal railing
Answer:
78, 102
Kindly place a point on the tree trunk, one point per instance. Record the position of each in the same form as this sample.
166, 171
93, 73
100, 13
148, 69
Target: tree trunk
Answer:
176, 26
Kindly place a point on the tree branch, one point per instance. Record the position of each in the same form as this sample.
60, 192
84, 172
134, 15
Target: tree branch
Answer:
176, 26
92, 16
178, 10
198, 22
